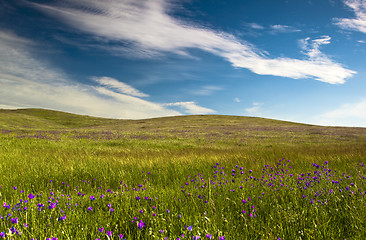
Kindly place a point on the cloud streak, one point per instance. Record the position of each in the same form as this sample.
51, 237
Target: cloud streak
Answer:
120, 87
255, 109
358, 23
278, 28
191, 108
349, 114
255, 26
207, 90
312, 48
146, 28
28, 82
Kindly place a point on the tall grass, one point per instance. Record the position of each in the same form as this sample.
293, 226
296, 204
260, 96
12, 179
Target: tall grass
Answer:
219, 183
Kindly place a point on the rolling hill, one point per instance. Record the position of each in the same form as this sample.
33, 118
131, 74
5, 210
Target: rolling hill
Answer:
211, 127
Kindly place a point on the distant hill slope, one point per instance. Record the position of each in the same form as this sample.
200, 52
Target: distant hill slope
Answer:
50, 119
196, 126
47, 119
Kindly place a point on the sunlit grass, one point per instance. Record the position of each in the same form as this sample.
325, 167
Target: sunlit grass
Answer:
209, 177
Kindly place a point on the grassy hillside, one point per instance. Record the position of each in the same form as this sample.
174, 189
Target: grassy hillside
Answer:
188, 176
46, 119
196, 126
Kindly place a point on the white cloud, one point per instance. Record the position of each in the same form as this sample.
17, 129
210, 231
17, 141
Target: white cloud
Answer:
325, 71
28, 82
7, 107
207, 90
350, 114
273, 29
255, 26
283, 29
237, 100
191, 108
121, 87
133, 106
358, 23
318, 65
147, 29
16, 61
311, 48
255, 110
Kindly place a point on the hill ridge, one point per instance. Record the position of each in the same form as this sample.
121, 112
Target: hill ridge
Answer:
46, 119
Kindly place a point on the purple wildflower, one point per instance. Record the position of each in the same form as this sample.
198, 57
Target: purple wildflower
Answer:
52, 205
62, 218
14, 220
141, 224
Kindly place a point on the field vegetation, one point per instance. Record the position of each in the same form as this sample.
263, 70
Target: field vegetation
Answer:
66, 176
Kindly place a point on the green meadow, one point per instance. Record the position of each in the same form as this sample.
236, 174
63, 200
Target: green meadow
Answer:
66, 176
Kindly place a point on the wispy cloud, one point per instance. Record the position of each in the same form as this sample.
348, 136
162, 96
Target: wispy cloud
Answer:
207, 90
17, 63
317, 65
255, 26
120, 87
2, 106
312, 48
350, 114
191, 108
358, 23
133, 106
145, 28
278, 28
237, 100
273, 29
255, 110
28, 82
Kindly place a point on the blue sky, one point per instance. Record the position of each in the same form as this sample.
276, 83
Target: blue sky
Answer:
301, 61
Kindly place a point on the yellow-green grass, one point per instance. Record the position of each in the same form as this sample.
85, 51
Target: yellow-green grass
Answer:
37, 146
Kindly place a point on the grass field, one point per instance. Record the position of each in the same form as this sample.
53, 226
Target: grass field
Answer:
65, 176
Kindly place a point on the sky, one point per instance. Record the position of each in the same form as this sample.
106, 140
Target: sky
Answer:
295, 60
